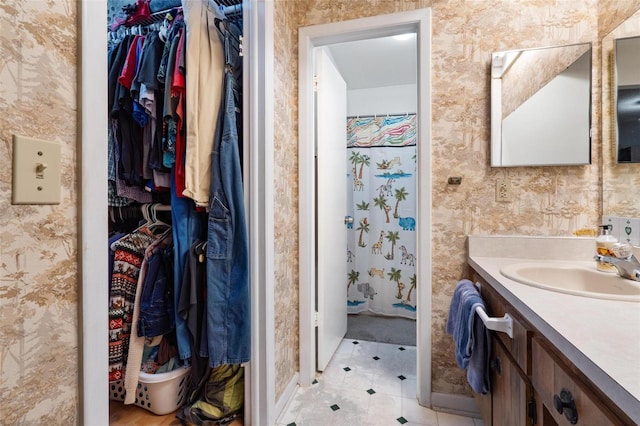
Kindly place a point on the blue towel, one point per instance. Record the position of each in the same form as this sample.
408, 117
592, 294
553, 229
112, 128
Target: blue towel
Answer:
471, 338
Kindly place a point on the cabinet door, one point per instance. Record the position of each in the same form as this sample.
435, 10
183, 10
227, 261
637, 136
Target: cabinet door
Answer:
550, 380
509, 389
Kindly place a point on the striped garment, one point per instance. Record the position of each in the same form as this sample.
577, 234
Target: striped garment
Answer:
129, 254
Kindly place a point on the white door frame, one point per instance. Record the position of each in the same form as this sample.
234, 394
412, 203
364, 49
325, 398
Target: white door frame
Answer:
260, 407
418, 21
93, 216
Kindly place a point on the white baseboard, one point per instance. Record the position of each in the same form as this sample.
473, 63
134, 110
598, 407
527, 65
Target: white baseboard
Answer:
455, 404
287, 395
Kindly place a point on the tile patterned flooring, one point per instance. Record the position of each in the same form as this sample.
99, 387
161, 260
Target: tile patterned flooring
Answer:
366, 383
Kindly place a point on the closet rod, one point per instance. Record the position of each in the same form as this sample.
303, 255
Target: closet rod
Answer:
156, 17
227, 7
231, 10
381, 115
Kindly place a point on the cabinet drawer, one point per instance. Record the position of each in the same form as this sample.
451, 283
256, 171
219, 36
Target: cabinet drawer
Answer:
518, 346
550, 380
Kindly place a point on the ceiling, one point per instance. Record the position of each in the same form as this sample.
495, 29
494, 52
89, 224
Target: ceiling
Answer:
377, 62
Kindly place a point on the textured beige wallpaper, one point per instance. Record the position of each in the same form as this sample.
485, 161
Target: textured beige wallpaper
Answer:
286, 191
613, 13
38, 267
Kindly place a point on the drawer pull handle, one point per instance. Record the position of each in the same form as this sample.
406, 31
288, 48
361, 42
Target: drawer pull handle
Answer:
565, 404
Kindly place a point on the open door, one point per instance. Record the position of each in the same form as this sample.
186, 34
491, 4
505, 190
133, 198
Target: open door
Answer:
331, 207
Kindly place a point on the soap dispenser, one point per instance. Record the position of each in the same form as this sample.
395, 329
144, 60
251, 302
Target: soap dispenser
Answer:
604, 242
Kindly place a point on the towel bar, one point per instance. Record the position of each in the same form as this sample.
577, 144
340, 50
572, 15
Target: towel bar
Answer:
504, 324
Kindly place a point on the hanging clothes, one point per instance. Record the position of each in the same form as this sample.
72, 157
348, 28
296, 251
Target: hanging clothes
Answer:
149, 98
192, 309
116, 112
128, 257
179, 132
205, 62
140, 101
151, 281
189, 225
228, 304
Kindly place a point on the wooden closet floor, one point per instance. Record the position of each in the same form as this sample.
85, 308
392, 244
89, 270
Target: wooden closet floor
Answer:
132, 415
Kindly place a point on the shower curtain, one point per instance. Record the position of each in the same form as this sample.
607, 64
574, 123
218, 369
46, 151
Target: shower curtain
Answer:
381, 242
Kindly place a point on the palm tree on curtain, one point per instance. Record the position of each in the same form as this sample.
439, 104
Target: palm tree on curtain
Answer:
400, 195
395, 275
392, 237
365, 160
352, 278
363, 206
381, 202
413, 285
355, 159
363, 227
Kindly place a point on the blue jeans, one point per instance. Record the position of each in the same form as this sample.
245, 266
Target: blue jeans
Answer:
228, 304
156, 301
187, 227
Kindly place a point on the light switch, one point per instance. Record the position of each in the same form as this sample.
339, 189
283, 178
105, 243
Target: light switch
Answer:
36, 171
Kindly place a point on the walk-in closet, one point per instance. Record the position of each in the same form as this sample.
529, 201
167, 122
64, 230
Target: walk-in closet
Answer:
179, 305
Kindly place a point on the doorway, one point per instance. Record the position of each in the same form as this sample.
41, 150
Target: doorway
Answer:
94, 404
417, 22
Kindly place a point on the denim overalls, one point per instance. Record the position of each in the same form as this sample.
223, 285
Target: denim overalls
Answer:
228, 304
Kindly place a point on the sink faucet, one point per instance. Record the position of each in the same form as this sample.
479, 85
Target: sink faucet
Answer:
628, 267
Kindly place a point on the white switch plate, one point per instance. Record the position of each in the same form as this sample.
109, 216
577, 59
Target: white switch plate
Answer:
29, 186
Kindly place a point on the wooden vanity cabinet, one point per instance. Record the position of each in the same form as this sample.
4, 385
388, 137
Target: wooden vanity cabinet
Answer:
529, 378
511, 390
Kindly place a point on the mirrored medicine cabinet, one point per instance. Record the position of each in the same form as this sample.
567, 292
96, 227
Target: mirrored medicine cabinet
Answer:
620, 179
541, 106
627, 99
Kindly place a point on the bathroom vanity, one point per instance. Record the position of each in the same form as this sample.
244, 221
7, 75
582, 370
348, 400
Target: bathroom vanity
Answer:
572, 359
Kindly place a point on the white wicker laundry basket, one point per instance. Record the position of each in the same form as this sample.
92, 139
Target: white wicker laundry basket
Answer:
160, 393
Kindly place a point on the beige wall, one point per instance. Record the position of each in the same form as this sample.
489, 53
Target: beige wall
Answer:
286, 190
38, 267
38, 247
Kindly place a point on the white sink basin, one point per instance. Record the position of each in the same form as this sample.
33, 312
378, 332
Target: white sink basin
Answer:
573, 279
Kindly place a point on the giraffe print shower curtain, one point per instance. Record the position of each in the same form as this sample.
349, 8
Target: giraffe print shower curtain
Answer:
381, 244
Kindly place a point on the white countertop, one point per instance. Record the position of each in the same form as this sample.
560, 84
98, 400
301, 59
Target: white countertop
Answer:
600, 337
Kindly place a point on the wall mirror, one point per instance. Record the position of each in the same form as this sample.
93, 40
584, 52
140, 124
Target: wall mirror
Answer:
627, 104
620, 181
541, 106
